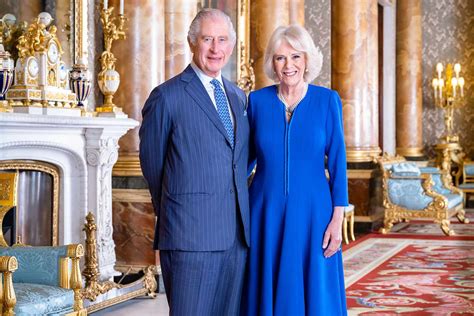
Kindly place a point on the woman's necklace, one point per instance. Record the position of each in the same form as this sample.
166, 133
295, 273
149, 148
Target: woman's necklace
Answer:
290, 108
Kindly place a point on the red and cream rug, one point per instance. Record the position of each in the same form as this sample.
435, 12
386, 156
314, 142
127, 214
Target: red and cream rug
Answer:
410, 275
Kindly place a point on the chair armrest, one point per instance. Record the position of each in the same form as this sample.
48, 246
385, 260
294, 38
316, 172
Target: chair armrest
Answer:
413, 192
75, 252
43, 265
8, 265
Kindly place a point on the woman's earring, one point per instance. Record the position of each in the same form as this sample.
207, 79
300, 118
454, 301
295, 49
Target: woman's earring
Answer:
306, 70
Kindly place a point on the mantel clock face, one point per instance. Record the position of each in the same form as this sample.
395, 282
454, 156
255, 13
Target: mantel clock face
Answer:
53, 52
33, 67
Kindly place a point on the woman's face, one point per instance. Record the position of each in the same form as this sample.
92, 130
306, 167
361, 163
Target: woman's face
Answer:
289, 65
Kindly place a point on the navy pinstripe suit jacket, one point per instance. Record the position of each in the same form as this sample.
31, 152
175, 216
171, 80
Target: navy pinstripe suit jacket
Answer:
198, 183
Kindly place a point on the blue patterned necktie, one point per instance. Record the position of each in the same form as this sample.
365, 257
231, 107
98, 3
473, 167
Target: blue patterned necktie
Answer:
223, 110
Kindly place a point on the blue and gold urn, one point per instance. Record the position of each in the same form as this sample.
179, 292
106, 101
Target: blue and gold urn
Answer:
80, 82
6, 77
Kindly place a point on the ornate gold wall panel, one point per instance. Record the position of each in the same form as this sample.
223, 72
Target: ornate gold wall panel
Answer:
409, 72
141, 65
318, 24
354, 54
178, 17
448, 36
265, 17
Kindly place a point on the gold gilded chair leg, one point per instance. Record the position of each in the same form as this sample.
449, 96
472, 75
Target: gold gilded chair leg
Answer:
461, 215
351, 226
344, 230
387, 226
445, 228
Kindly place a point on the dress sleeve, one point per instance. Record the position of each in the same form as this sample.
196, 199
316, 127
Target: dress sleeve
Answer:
154, 134
252, 152
336, 152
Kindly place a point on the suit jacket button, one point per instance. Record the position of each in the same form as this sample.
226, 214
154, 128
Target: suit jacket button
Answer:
231, 191
235, 166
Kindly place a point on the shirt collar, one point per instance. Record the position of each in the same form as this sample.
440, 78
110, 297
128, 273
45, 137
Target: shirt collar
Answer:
205, 79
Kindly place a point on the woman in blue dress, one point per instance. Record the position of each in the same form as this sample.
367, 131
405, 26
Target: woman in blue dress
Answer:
295, 262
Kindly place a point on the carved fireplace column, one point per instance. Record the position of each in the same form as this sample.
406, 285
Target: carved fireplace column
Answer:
409, 72
101, 155
178, 16
141, 67
355, 74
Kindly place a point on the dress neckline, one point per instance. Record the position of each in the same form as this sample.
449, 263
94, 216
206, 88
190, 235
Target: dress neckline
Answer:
289, 114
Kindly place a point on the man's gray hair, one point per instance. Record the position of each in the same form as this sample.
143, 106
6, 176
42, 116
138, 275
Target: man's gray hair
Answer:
207, 13
298, 38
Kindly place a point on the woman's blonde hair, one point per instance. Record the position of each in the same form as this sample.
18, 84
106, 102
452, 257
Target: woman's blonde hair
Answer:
299, 38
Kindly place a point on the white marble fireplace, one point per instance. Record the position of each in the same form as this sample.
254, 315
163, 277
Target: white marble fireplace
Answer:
84, 149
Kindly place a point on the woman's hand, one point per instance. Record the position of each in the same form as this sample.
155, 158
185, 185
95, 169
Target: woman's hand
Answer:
333, 234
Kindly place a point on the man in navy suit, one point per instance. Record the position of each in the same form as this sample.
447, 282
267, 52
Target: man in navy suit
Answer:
193, 154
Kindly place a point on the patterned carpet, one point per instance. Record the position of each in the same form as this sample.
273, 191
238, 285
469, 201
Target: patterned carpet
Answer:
410, 275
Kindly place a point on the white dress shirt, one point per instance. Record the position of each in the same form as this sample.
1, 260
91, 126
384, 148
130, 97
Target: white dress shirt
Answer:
206, 81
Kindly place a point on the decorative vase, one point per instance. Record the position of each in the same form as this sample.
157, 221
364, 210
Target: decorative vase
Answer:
6, 77
109, 81
80, 82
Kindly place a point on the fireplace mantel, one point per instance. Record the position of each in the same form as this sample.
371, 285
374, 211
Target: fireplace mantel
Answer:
85, 150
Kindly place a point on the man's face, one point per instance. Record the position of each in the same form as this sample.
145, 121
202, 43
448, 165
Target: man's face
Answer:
213, 46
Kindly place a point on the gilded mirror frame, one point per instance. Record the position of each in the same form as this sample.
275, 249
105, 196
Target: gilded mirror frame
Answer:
79, 29
245, 72
33, 165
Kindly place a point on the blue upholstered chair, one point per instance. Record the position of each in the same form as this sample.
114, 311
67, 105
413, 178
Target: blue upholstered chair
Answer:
48, 280
467, 184
410, 192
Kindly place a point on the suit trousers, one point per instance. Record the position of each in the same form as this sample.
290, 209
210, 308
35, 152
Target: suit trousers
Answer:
205, 283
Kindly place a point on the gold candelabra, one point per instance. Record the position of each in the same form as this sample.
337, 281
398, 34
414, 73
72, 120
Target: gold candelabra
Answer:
448, 95
108, 77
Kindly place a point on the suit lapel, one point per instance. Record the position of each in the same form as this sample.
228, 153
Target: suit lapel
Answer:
197, 91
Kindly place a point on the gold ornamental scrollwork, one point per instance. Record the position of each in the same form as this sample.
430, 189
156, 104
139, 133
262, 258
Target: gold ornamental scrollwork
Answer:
94, 288
36, 39
245, 71
5, 187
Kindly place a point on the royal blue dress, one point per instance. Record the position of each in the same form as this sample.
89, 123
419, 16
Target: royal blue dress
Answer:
291, 204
